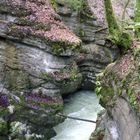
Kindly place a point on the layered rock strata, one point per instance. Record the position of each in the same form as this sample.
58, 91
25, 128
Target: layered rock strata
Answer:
118, 89
88, 22
36, 60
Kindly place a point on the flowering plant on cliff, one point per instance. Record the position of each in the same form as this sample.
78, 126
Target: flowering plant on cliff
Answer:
11, 104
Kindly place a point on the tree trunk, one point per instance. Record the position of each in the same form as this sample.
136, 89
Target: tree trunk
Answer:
111, 20
122, 39
137, 19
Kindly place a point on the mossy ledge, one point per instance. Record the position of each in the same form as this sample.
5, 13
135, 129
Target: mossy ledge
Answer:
120, 79
38, 19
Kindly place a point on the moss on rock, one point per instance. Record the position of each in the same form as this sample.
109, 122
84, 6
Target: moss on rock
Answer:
36, 19
125, 41
76, 5
3, 128
62, 47
120, 79
17, 80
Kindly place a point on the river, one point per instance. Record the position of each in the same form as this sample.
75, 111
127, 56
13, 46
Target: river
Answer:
82, 104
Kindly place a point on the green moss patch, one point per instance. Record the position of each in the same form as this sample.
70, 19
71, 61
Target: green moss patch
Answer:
17, 80
76, 5
118, 80
64, 76
61, 47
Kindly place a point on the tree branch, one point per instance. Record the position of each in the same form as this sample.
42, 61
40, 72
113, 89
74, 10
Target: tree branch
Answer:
123, 14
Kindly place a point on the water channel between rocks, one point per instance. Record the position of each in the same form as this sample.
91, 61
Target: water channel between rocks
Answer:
82, 104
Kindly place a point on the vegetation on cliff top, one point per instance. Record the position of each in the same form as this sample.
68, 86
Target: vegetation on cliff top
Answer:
121, 79
40, 21
118, 37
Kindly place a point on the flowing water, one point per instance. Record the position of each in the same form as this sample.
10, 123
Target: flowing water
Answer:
83, 104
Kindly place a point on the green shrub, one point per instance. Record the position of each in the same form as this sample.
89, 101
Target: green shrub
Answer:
122, 40
76, 5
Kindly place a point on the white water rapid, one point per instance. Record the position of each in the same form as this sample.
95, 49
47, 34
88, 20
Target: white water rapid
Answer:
83, 104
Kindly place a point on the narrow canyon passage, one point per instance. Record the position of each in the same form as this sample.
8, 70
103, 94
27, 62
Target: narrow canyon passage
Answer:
82, 104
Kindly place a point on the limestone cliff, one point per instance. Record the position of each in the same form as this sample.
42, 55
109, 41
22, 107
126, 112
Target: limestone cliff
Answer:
41, 60
36, 62
119, 95
88, 22
118, 91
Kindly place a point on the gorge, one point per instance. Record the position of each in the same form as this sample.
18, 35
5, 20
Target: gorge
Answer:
50, 49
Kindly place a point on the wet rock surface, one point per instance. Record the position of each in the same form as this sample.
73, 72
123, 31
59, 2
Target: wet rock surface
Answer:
41, 55
90, 25
119, 95
37, 62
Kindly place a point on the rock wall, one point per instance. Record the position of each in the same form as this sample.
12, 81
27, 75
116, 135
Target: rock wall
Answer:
41, 59
118, 89
36, 63
89, 24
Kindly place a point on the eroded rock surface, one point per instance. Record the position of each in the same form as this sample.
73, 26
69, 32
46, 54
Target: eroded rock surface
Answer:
36, 63
118, 89
90, 25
